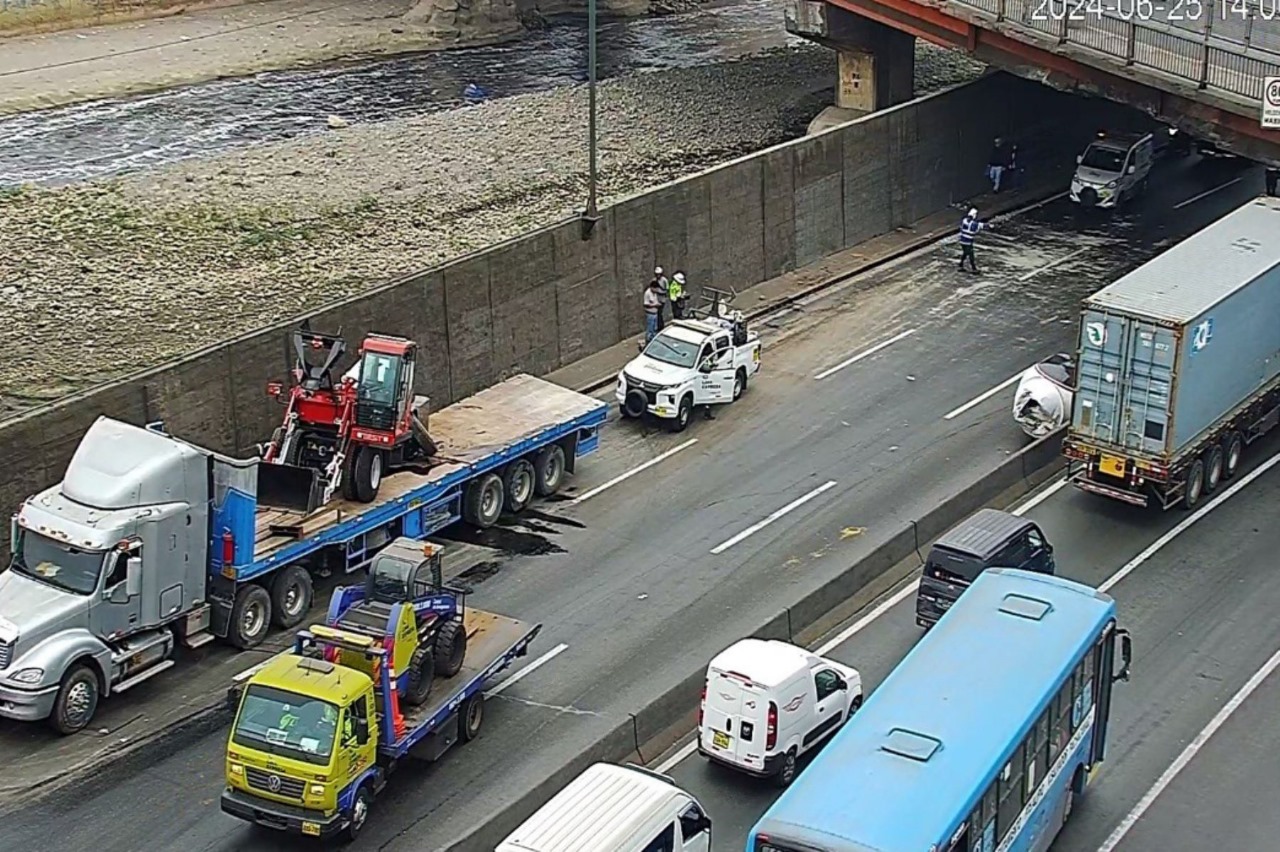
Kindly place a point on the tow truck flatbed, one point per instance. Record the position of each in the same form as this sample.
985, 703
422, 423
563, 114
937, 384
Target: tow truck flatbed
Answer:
473, 436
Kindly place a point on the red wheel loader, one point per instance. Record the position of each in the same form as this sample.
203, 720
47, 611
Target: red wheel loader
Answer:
345, 434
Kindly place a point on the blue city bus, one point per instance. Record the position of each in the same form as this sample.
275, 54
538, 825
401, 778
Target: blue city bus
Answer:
978, 741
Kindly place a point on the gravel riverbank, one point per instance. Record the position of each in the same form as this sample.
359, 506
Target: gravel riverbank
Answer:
102, 280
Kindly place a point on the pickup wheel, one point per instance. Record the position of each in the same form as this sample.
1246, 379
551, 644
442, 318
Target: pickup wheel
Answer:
1194, 488
482, 502
1212, 469
548, 466
451, 648
77, 700
681, 421
471, 717
739, 382
421, 677
359, 811
250, 616
366, 474
1235, 449
518, 482
291, 597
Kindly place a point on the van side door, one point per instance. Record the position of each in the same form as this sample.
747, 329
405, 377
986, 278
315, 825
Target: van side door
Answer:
695, 829
828, 709
705, 384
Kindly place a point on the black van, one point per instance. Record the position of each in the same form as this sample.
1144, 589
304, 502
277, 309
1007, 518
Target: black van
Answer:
989, 538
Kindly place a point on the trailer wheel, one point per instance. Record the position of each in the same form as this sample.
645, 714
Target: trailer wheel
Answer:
359, 811
1235, 449
1212, 469
451, 648
518, 482
422, 675
366, 474
250, 616
291, 594
77, 700
1194, 488
549, 469
482, 502
471, 717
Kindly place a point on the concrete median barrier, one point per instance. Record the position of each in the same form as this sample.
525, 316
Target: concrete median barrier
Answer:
653, 728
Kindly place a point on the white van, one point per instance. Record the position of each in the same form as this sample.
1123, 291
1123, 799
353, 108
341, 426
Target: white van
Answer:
610, 808
766, 702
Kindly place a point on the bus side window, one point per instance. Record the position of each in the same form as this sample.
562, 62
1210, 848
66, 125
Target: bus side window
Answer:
1061, 732
1011, 794
1089, 669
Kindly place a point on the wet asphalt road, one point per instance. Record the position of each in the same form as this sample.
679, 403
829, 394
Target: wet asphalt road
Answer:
1201, 611
631, 587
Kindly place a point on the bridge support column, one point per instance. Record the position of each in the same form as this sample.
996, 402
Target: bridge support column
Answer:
876, 66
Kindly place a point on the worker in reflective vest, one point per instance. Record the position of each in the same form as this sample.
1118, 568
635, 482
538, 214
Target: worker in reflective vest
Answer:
969, 228
675, 291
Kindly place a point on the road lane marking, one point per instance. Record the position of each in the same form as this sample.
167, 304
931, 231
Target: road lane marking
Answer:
1051, 264
1187, 522
529, 669
1193, 199
759, 525
625, 476
862, 623
1190, 752
864, 353
978, 400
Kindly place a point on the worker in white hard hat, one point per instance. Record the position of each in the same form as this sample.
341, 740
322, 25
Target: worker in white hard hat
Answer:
677, 294
969, 228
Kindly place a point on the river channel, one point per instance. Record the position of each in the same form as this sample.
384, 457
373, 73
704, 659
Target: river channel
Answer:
111, 137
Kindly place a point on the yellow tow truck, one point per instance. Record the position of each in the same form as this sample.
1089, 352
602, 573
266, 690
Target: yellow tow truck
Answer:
398, 670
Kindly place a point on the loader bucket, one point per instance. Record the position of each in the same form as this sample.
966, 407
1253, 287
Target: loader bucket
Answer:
285, 486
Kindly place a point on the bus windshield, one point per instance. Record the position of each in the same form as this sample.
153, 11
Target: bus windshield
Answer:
1009, 691
286, 724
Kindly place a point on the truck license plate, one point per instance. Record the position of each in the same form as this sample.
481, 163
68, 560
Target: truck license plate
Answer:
1111, 466
311, 828
720, 739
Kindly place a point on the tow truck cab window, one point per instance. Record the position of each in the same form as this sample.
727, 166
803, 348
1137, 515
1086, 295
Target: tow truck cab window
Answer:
357, 714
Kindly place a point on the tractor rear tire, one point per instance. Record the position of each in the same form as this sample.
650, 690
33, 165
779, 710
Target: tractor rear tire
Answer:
482, 501
549, 467
421, 677
366, 474
451, 648
291, 594
250, 616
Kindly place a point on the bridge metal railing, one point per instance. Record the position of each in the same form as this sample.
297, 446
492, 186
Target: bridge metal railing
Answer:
1224, 45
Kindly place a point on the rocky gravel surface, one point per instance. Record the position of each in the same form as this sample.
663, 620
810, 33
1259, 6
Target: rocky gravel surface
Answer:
101, 280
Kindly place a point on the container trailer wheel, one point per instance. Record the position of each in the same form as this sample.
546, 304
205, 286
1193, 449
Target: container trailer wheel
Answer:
518, 482
1212, 469
1193, 489
482, 501
250, 616
549, 467
1235, 449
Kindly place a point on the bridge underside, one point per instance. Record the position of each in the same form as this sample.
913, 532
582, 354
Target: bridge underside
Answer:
1229, 120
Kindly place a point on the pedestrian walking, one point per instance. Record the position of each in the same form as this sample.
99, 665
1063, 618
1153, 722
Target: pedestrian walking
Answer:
969, 228
652, 306
677, 294
997, 163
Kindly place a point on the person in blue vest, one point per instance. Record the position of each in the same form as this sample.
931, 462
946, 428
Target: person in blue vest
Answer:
970, 226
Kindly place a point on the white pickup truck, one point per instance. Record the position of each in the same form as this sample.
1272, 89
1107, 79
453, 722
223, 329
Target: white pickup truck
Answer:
691, 362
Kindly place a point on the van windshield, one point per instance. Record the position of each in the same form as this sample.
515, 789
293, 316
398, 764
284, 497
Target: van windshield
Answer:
952, 566
1103, 159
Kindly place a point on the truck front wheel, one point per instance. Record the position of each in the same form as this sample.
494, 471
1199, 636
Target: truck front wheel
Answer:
359, 811
77, 700
250, 616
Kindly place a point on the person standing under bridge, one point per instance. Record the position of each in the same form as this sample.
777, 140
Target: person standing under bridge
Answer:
652, 310
970, 226
997, 163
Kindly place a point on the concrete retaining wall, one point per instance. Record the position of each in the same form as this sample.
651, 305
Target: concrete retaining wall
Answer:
644, 735
549, 298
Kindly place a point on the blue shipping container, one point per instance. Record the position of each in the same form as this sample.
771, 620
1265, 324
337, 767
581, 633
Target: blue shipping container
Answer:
1183, 341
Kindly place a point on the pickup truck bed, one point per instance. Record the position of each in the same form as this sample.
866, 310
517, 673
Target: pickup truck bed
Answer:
493, 643
468, 434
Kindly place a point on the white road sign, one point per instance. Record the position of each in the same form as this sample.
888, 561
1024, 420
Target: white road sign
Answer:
1271, 103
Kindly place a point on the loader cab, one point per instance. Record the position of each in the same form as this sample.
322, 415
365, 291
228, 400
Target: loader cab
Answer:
404, 570
384, 389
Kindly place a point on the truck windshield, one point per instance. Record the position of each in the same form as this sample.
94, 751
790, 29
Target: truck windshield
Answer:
56, 564
671, 350
286, 724
1103, 159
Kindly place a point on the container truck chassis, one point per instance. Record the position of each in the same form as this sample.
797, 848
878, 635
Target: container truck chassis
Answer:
1192, 474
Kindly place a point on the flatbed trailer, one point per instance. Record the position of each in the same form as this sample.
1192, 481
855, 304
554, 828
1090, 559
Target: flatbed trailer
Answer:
523, 419
453, 712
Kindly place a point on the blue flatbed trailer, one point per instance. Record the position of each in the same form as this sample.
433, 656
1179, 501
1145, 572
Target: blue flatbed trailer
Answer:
522, 418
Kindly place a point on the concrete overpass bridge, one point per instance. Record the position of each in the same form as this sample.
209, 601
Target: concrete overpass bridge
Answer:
1199, 65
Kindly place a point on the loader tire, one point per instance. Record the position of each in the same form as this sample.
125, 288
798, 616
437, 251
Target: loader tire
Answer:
451, 648
366, 474
421, 677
